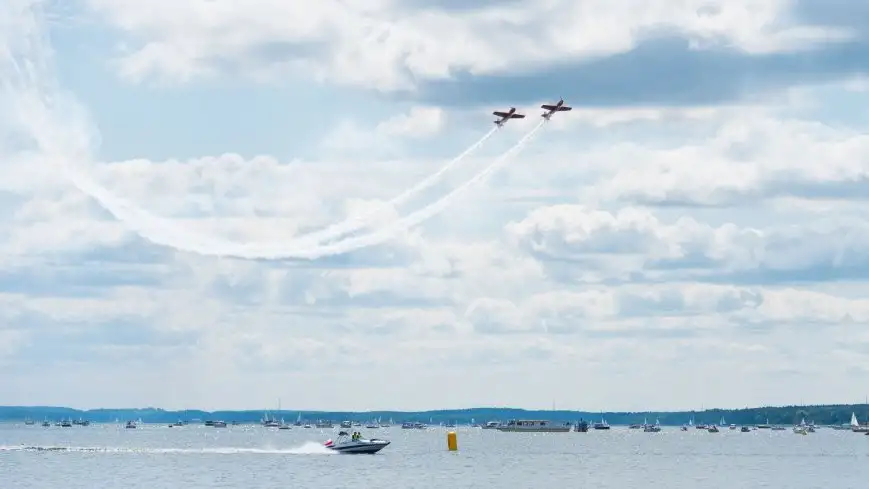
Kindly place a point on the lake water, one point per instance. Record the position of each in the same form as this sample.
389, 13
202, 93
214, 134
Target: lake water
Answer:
196, 456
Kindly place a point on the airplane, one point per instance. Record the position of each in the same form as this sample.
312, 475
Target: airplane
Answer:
551, 109
506, 116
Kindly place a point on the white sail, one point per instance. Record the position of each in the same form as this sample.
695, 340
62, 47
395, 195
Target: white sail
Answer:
854, 420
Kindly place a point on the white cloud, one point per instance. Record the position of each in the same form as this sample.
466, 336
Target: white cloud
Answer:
555, 277
386, 44
419, 123
624, 246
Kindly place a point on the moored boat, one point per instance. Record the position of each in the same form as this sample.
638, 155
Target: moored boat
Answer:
534, 426
602, 425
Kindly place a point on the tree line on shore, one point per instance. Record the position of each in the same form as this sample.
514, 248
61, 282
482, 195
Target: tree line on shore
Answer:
780, 415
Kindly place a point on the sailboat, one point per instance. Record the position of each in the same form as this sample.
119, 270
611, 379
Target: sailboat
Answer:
271, 421
857, 427
801, 428
652, 428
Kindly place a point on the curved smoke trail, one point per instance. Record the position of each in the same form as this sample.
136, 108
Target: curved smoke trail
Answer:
386, 233
155, 233
354, 223
62, 135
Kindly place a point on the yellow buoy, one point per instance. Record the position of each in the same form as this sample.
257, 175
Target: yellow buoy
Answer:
452, 443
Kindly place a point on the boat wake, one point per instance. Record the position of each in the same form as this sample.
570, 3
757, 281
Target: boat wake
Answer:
307, 448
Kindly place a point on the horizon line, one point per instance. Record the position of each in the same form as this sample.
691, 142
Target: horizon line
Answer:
476, 408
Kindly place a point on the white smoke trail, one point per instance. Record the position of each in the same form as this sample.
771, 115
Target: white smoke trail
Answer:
355, 223
255, 251
45, 117
59, 128
213, 247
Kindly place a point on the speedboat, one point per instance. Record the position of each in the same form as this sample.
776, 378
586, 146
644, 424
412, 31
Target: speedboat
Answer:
346, 444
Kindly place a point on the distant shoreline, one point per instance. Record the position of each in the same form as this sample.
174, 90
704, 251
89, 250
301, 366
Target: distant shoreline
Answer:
820, 414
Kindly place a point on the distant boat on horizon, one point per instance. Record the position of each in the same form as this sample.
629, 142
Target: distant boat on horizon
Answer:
534, 426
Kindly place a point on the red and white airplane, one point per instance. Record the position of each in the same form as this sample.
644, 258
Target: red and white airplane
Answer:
505, 116
551, 109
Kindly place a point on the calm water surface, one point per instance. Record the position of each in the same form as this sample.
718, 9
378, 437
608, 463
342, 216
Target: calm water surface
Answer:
195, 456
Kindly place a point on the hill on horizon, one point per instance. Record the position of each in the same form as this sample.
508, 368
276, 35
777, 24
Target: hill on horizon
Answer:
819, 414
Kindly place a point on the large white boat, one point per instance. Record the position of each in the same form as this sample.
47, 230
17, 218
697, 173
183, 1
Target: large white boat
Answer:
491, 425
534, 426
602, 425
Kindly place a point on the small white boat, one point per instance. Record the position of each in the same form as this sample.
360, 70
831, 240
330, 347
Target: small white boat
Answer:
802, 428
347, 443
652, 428
269, 421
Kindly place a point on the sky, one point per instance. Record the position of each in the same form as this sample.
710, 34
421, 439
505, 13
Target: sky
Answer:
693, 234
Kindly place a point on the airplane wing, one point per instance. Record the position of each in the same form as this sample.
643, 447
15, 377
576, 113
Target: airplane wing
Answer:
517, 116
548, 107
564, 108
500, 114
